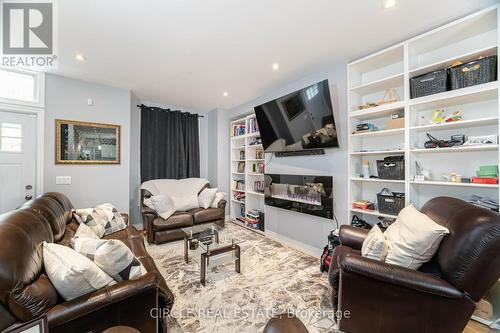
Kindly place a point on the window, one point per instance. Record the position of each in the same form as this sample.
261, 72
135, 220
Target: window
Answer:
10, 137
312, 91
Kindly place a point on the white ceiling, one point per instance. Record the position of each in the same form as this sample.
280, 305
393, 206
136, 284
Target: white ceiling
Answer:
188, 52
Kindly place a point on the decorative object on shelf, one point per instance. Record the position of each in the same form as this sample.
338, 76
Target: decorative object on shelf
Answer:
481, 140
487, 174
253, 126
259, 154
366, 127
456, 140
242, 155
241, 167
475, 72
452, 177
391, 167
363, 204
421, 174
438, 117
366, 169
390, 202
396, 120
390, 96
80, 142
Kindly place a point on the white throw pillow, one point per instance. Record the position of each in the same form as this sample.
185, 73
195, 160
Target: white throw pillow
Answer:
218, 197
148, 203
102, 219
413, 239
375, 246
206, 197
163, 205
112, 256
83, 231
71, 273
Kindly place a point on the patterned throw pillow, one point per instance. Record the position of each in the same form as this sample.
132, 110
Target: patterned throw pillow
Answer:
103, 219
112, 256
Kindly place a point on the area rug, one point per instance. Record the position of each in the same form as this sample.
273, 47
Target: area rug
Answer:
274, 279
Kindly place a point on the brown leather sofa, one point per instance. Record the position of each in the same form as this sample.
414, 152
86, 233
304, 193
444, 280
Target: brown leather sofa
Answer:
440, 297
27, 293
158, 230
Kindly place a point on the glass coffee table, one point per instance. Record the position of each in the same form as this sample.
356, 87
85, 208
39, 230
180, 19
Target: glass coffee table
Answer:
202, 243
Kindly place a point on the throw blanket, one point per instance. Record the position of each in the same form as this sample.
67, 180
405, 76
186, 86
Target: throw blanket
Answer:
103, 219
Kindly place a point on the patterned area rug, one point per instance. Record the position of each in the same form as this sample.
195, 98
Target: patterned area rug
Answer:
274, 279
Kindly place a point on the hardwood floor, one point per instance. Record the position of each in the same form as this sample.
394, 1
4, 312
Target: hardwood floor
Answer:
475, 327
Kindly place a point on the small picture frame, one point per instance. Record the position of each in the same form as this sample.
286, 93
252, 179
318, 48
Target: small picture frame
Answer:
38, 325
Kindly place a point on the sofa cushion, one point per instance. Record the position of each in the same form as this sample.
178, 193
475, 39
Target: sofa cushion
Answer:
112, 256
219, 196
103, 219
201, 215
375, 246
71, 273
413, 239
178, 220
206, 197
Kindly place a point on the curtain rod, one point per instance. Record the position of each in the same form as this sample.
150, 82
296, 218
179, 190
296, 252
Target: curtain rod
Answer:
155, 107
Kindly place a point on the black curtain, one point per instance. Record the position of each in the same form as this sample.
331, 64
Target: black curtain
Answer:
169, 144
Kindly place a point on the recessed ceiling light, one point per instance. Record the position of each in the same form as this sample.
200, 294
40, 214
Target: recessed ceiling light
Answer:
389, 4
225, 94
80, 57
276, 66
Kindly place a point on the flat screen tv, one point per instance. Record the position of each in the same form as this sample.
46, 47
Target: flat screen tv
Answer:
301, 120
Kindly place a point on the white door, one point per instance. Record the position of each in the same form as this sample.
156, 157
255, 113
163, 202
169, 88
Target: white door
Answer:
17, 159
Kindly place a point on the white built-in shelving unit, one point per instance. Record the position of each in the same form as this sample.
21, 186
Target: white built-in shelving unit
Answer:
244, 150
368, 79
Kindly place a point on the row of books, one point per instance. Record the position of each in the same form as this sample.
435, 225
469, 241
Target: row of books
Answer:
238, 130
258, 186
258, 167
239, 196
253, 126
238, 185
253, 218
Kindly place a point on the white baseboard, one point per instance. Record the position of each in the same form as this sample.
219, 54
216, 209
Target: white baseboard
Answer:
307, 249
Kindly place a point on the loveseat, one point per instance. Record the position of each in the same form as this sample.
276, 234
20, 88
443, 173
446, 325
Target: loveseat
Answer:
26, 292
182, 191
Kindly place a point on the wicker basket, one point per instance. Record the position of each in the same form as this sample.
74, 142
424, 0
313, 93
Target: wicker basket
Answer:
429, 84
474, 72
391, 204
391, 168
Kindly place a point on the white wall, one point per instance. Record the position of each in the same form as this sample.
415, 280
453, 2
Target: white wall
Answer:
307, 231
91, 184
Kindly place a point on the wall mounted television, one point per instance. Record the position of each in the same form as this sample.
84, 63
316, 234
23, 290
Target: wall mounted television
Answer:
302, 120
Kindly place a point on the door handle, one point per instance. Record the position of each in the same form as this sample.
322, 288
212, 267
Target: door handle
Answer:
28, 197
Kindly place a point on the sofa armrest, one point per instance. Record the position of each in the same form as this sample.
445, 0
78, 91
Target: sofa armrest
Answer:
398, 276
222, 204
352, 237
67, 311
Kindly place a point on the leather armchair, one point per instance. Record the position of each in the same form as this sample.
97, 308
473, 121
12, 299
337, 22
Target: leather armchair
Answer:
440, 297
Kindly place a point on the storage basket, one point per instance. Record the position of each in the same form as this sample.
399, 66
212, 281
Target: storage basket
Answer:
392, 167
474, 72
429, 84
391, 204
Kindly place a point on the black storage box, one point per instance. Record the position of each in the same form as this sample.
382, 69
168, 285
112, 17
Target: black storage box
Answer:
429, 84
391, 204
392, 167
474, 72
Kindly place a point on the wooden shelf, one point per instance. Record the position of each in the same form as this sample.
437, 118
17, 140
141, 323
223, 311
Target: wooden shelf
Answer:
457, 124
372, 212
440, 183
455, 149
379, 133
376, 180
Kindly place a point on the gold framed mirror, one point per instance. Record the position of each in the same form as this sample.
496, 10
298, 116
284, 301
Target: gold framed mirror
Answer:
79, 142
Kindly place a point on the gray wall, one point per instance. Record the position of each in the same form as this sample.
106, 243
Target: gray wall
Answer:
91, 184
304, 230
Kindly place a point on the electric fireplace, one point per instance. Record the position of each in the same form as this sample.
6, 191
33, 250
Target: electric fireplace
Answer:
304, 194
